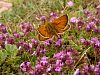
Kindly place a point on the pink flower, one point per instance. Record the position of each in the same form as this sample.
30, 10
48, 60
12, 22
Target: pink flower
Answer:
53, 16
73, 20
44, 61
98, 7
34, 43
90, 26
70, 3
58, 69
26, 27
48, 42
49, 69
59, 55
25, 66
43, 18
3, 28
77, 72
58, 43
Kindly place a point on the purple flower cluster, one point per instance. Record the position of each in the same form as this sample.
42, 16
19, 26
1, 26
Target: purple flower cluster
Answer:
85, 42
91, 23
26, 67
65, 57
73, 20
97, 69
16, 35
88, 70
17, 38
27, 47
53, 16
91, 26
58, 43
43, 18
48, 42
40, 51
6, 39
34, 42
45, 65
95, 42
26, 28
3, 28
80, 23
2, 40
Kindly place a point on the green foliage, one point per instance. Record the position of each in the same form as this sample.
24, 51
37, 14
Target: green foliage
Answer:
3, 56
8, 58
11, 50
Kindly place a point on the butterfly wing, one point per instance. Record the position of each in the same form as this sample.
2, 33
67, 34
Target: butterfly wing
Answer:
60, 24
42, 38
43, 31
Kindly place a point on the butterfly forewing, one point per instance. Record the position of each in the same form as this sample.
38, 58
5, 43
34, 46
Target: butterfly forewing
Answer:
60, 23
44, 31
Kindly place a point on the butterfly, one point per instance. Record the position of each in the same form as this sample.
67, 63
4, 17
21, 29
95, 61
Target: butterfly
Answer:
54, 28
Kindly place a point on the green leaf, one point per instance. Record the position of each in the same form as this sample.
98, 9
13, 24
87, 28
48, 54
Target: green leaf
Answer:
3, 56
11, 50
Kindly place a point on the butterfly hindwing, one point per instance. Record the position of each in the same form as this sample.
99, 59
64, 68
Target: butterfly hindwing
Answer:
41, 38
59, 31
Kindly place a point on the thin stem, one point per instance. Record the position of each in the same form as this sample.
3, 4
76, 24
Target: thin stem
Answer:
95, 57
74, 43
81, 57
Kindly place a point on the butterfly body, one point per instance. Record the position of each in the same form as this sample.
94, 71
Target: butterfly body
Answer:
54, 28
51, 28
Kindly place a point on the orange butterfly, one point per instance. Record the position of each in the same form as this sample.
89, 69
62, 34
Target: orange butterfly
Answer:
54, 28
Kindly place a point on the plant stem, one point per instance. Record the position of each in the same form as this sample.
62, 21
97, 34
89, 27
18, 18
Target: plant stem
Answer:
81, 57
